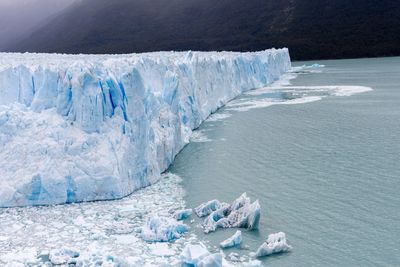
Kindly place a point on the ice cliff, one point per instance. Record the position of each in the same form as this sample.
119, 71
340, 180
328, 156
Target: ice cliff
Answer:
95, 127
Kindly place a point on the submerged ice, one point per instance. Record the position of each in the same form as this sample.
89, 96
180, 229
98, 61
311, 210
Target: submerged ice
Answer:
96, 127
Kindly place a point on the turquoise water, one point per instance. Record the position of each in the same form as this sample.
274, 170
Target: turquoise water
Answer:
327, 173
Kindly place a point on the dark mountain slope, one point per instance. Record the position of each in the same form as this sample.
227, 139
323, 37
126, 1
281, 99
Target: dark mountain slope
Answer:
312, 29
18, 17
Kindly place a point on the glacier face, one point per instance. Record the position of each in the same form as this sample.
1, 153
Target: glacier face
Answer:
95, 127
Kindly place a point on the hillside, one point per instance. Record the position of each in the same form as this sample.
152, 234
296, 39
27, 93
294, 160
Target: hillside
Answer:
313, 29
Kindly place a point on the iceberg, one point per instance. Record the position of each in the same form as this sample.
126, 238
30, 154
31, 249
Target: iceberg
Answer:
253, 263
205, 209
197, 255
246, 217
192, 254
163, 229
63, 256
212, 260
275, 243
234, 240
79, 128
241, 214
182, 214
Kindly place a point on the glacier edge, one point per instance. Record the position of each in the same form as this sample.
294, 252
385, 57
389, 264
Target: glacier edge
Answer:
96, 127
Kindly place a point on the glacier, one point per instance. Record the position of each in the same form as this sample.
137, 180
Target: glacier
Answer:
79, 128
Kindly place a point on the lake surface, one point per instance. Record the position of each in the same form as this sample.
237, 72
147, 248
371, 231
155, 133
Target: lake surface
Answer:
327, 172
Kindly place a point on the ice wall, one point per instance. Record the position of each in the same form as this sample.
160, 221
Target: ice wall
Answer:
95, 127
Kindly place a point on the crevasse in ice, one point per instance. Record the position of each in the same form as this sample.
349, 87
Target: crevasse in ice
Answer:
95, 127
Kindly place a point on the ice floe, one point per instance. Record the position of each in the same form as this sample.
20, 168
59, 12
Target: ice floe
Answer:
289, 95
163, 229
241, 213
197, 255
63, 256
275, 243
205, 209
234, 240
107, 232
182, 214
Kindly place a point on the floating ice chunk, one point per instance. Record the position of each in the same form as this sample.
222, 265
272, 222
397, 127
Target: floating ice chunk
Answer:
98, 259
161, 249
182, 214
316, 65
198, 256
212, 260
192, 254
240, 202
234, 240
217, 219
207, 208
63, 256
247, 216
276, 243
253, 263
162, 229
199, 136
14, 264
241, 213
233, 256
24, 256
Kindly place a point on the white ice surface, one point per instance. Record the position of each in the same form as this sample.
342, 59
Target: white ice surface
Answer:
241, 214
289, 95
96, 127
275, 243
232, 241
108, 229
197, 255
192, 254
163, 229
206, 208
182, 214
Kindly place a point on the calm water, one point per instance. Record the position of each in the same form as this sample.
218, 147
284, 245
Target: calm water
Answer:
327, 172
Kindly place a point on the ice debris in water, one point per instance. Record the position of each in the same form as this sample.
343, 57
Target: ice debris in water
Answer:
241, 214
63, 256
253, 263
163, 229
316, 65
182, 214
275, 243
99, 231
234, 240
72, 257
197, 255
208, 207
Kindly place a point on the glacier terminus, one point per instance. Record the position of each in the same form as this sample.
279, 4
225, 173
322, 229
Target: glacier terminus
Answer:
79, 128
